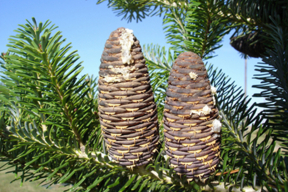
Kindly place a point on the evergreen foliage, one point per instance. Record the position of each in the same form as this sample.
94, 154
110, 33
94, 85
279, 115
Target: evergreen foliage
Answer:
49, 124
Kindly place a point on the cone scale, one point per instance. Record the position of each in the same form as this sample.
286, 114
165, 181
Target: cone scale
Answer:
191, 128
128, 114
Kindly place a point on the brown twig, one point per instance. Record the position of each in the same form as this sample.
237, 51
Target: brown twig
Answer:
231, 172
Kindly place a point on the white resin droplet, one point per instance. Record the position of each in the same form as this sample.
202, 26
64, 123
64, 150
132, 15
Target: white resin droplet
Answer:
111, 79
125, 71
216, 126
206, 110
216, 135
166, 157
195, 112
126, 42
214, 100
193, 75
213, 90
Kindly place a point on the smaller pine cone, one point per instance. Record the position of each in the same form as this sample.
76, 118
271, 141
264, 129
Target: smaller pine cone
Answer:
250, 44
128, 114
191, 128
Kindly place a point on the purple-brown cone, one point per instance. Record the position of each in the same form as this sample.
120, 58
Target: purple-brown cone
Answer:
191, 128
127, 111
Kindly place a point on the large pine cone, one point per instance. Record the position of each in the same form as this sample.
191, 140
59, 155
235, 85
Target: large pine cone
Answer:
127, 110
192, 132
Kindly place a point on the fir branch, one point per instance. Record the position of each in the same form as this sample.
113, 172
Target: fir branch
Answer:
65, 107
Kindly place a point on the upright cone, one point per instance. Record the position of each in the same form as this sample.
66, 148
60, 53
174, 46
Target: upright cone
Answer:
191, 128
127, 111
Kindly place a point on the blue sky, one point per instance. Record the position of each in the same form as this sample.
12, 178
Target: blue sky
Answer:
88, 26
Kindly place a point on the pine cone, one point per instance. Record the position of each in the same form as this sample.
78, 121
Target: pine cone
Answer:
127, 110
191, 128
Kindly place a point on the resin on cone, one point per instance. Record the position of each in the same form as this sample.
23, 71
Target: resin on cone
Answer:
191, 127
128, 114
